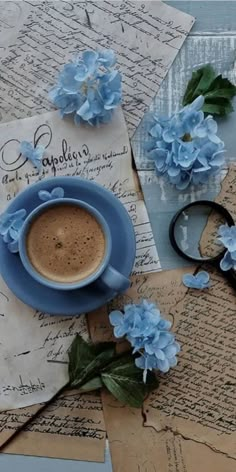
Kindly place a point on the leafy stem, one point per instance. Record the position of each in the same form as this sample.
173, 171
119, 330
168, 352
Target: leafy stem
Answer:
92, 366
217, 91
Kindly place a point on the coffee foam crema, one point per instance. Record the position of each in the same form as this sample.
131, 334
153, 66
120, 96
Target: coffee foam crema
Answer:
65, 243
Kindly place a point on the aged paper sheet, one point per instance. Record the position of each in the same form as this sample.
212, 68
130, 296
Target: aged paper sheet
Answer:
145, 35
134, 445
73, 421
137, 448
197, 399
103, 155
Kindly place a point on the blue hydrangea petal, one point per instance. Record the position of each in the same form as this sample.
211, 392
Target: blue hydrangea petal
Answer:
13, 246
26, 148
13, 233
156, 131
198, 281
33, 154
203, 277
159, 354
198, 103
164, 339
44, 195
107, 58
184, 182
85, 111
7, 238
164, 324
57, 192
171, 350
90, 59
226, 263
67, 78
163, 366
19, 214
172, 361
116, 317
140, 362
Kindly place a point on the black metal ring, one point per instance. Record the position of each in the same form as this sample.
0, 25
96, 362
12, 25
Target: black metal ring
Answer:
216, 206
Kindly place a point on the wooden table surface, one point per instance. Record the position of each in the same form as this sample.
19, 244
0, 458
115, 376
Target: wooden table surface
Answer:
212, 40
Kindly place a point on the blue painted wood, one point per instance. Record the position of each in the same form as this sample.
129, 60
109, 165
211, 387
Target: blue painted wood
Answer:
213, 17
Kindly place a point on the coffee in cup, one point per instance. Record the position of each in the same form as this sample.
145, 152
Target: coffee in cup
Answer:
65, 243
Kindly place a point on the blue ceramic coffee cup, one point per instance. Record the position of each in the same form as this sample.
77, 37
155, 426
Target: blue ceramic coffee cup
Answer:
110, 277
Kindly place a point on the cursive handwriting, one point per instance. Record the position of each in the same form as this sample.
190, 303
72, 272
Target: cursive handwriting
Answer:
52, 31
200, 391
22, 388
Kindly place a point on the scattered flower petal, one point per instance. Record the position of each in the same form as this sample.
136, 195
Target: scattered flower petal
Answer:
198, 281
33, 154
57, 192
10, 226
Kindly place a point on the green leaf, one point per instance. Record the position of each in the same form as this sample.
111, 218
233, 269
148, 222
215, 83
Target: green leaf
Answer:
93, 384
219, 106
192, 85
223, 86
199, 83
80, 355
125, 381
93, 368
86, 360
217, 91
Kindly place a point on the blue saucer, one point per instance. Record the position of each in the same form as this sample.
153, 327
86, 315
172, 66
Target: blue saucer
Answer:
86, 299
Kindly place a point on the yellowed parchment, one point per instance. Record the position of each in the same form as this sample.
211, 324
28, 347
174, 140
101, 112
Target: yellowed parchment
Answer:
12, 421
134, 446
70, 427
198, 398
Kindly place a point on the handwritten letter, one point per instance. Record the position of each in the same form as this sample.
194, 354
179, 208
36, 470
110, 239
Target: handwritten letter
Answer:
197, 398
145, 35
102, 155
73, 421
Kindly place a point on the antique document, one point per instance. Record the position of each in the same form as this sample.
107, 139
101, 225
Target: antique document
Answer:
29, 343
197, 399
146, 37
73, 420
138, 439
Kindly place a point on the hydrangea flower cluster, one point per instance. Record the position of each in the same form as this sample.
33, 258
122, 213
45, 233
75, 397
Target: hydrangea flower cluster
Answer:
34, 154
10, 226
89, 88
228, 239
198, 281
148, 334
185, 148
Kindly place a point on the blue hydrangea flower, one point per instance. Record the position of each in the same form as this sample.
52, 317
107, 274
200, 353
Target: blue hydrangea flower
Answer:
10, 226
185, 148
148, 334
198, 281
89, 88
57, 192
33, 154
227, 236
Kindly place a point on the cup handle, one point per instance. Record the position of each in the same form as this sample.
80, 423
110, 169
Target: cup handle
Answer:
114, 280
